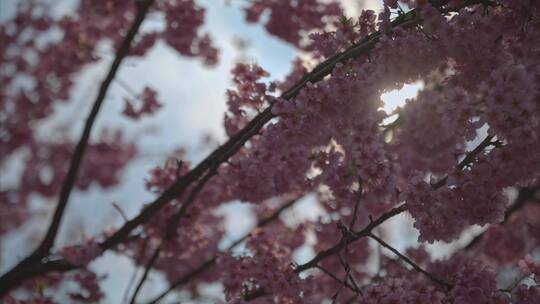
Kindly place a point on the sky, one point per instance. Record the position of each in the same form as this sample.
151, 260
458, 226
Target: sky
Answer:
194, 98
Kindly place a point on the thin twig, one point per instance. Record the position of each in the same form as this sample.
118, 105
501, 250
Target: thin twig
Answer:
120, 211
127, 88
411, 263
173, 223
347, 268
171, 229
343, 283
151, 262
135, 271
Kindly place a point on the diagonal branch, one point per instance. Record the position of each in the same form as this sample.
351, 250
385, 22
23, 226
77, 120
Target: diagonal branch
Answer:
471, 156
345, 283
354, 237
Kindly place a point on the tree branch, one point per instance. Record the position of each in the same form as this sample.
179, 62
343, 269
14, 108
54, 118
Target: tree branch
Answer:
78, 155
354, 237
347, 268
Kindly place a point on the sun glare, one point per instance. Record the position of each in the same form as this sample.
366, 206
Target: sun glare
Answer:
398, 98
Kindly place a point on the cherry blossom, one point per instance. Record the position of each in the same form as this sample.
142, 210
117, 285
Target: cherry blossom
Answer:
463, 153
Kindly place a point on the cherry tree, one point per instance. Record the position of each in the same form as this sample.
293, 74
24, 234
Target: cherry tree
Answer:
463, 154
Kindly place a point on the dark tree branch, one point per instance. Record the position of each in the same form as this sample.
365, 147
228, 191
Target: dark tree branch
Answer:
120, 211
471, 156
173, 223
17, 274
345, 283
177, 189
349, 238
411, 263
186, 278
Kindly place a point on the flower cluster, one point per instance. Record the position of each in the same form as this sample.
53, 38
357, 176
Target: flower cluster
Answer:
90, 291
184, 18
289, 19
396, 290
251, 94
148, 107
249, 277
81, 254
529, 266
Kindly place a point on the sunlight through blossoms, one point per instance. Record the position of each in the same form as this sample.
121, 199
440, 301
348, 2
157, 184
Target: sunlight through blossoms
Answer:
398, 98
